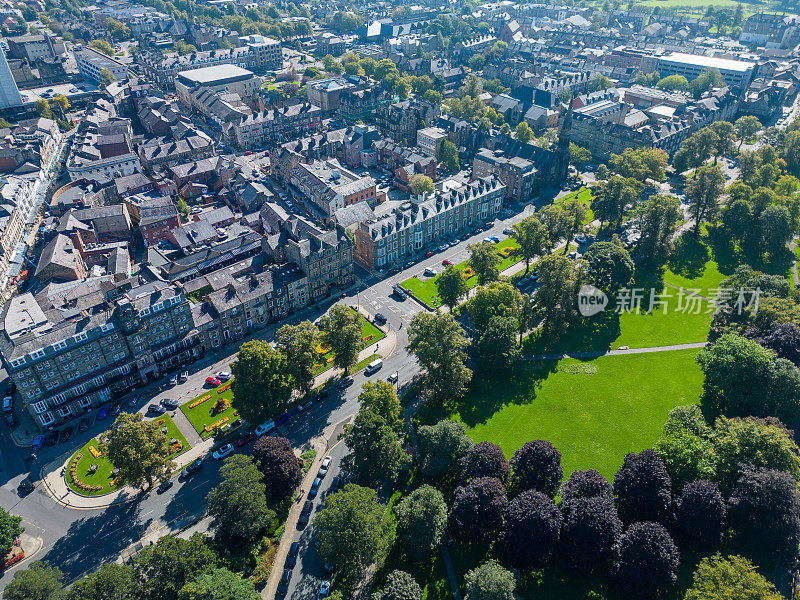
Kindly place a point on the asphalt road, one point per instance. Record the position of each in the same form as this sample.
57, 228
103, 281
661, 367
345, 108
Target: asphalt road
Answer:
78, 541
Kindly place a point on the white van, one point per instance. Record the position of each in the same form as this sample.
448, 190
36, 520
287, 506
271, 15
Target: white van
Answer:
373, 367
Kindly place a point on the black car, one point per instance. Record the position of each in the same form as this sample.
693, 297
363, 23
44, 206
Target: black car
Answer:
51, 438
305, 515
291, 558
380, 319
192, 468
26, 486
336, 483
283, 586
66, 434
346, 382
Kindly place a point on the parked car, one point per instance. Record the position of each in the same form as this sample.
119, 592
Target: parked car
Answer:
487, 240
291, 558
212, 381
265, 427
245, 439
303, 406
399, 293
66, 434
283, 585
305, 514
169, 403
393, 377
494, 239
312, 493
11, 420
380, 319
184, 376
447, 262
223, 451
38, 441
223, 376
443, 247
164, 486
429, 272
83, 425
103, 413
156, 408
324, 590
192, 468
454, 242
346, 382
26, 486
282, 419
335, 484
8, 403
52, 438
324, 466
173, 380
429, 253
115, 409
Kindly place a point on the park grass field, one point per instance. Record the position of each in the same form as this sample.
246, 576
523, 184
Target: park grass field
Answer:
204, 413
584, 195
593, 418
102, 476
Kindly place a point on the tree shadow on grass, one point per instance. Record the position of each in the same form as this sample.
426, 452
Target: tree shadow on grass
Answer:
591, 334
689, 256
728, 256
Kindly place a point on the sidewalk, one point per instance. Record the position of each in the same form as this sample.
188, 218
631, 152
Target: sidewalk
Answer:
323, 444
56, 486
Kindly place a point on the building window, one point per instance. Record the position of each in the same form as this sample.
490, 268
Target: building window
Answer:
46, 419
39, 407
64, 411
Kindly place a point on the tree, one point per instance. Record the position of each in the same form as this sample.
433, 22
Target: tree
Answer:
261, 385
420, 184
38, 582
421, 521
738, 442
645, 562
710, 78
238, 505
537, 466
642, 488
612, 197
484, 260
375, 450
61, 104
764, 513
699, 516
118, 30
42, 108
531, 530
103, 46
609, 266
433, 97
640, 164
298, 344
784, 340
602, 173
219, 584
730, 578
442, 446
586, 484
490, 581
438, 342
448, 155
484, 459
10, 530
139, 449
687, 457
342, 332
451, 286
399, 586
523, 132
600, 82
380, 397
558, 287
162, 569
476, 62
725, 138
498, 299
281, 470
531, 235
496, 343
589, 531
109, 582
578, 155
352, 529
673, 83
478, 509
695, 150
703, 192
183, 208
777, 228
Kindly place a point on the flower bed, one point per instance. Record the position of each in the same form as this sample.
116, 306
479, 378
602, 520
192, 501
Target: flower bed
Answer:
95, 452
223, 388
199, 401
468, 272
215, 424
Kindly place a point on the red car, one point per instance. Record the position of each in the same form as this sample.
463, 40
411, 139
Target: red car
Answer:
429, 253
212, 381
447, 262
245, 440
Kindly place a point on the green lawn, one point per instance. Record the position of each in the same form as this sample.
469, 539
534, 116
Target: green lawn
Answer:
584, 195
594, 419
424, 288
102, 476
204, 413
370, 334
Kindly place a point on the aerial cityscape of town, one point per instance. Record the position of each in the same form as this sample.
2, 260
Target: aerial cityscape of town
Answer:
373, 300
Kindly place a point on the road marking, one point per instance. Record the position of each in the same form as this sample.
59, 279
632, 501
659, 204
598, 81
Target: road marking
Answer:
147, 513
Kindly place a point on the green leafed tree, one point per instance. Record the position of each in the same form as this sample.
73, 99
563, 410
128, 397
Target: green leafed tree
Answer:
219, 584
38, 582
523, 132
352, 529
673, 83
261, 385
730, 578
485, 261
298, 344
342, 332
451, 286
375, 450
421, 521
162, 569
745, 128
531, 235
609, 266
109, 582
657, 218
139, 449
10, 530
420, 184
448, 156
490, 581
704, 191
438, 342
238, 505
399, 586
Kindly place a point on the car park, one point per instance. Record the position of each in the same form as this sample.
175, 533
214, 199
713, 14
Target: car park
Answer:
324, 466
192, 468
223, 451
291, 557
38, 441
265, 427
170, 403
312, 493
156, 408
